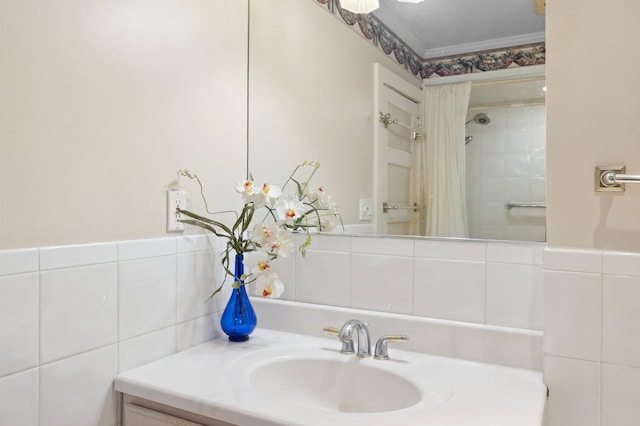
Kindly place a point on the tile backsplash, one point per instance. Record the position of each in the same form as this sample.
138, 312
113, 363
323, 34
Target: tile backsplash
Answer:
73, 317
483, 282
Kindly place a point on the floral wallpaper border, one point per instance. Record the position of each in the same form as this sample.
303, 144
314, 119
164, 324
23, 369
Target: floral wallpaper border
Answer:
490, 60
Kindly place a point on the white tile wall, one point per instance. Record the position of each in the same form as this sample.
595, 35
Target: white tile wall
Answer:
147, 295
573, 314
620, 386
572, 260
450, 289
592, 354
454, 250
146, 348
199, 330
72, 317
436, 278
392, 275
140, 249
514, 295
574, 392
78, 255
621, 319
444, 279
195, 284
506, 161
68, 327
323, 277
18, 261
19, 398
19, 327
84, 383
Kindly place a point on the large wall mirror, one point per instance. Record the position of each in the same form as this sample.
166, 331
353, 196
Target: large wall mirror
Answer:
311, 97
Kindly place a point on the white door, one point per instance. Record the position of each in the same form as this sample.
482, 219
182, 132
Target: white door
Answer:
397, 209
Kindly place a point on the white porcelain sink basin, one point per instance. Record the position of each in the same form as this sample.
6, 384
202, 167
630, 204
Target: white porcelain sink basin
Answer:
336, 385
279, 378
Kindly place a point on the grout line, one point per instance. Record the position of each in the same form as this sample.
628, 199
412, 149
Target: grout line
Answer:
118, 307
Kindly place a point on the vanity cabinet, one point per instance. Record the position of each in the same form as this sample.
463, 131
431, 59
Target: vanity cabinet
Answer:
141, 412
138, 416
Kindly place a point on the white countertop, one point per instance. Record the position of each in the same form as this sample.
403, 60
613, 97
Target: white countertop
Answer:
212, 380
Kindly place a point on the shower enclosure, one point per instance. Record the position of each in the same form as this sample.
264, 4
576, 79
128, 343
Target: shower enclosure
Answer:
506, 168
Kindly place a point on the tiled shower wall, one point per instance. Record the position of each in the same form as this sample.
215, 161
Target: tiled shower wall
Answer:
506, 161
72, 317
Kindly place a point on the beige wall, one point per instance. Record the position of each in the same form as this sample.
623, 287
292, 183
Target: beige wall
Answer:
593, 111
311, 98
101, 102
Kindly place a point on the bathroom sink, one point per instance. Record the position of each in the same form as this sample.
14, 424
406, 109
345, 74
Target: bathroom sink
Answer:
278, 378
342, 385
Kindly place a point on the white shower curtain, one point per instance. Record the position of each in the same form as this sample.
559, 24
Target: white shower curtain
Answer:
443, 160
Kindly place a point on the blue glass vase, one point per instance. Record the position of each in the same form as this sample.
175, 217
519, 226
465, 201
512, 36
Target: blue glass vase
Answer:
238, 319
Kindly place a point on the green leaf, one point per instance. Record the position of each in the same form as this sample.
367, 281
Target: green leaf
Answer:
205, 220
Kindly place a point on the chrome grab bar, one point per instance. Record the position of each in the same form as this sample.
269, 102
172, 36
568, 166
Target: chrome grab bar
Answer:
386, 207
511, 205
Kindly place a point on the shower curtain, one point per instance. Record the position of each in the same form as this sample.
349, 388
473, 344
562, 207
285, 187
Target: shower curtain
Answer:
443, 160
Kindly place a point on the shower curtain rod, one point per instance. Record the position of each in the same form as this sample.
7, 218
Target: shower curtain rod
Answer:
386, 119
505, 81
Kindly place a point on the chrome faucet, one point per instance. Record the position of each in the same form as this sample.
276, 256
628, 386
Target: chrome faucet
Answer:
364, 340
381, 345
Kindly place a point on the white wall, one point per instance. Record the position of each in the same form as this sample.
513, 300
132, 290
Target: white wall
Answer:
311, 98
102, 102
592, 109
505, 162
591, 352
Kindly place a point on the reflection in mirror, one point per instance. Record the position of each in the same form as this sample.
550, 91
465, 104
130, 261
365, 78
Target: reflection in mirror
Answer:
506, 160
312, 95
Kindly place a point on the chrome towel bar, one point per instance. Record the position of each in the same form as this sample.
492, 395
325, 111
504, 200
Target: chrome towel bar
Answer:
613, 178
386, 207
386, 119
511, 205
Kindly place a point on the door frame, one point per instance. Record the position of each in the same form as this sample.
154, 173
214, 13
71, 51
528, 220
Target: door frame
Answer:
384, 77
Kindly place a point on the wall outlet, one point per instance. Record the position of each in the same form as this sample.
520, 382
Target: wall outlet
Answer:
366, 208
175, 200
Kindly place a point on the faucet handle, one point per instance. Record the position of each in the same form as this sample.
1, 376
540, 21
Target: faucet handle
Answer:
347, 347
381, 351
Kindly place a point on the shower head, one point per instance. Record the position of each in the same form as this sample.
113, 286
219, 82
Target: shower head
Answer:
481, 118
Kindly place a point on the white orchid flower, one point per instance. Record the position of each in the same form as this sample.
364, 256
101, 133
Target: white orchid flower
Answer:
289, 209
282, 245
250, 194
269, 285
245, 187
257, 262
328, 223
270, 192
318, 197
265, 234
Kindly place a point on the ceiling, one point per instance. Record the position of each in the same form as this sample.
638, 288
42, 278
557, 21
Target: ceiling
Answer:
435, 28
508, 92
